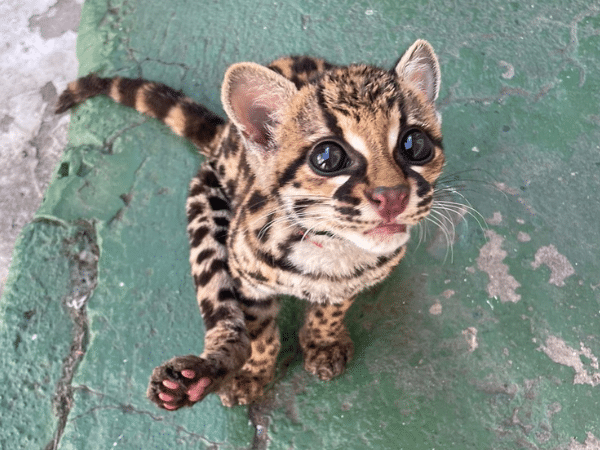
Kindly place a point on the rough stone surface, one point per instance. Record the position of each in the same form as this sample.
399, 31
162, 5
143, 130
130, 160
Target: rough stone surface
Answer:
37, 60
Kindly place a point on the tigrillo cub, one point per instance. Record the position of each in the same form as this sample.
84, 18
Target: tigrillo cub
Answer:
310, 190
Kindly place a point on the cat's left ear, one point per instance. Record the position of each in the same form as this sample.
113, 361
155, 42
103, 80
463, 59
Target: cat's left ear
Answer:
253, 97
420, 67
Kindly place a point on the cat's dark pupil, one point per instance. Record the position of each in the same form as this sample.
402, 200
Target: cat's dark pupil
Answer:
328, 157
416, 146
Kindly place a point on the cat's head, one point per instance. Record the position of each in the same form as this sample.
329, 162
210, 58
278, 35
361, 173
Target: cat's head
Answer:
354, 154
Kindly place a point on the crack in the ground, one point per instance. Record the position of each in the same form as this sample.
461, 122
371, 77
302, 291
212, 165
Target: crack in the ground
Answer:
107, 146
83, 252
126, 197
593, 11
127, 408
259, 413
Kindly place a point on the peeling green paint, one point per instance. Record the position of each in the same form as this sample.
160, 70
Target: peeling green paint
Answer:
439, 362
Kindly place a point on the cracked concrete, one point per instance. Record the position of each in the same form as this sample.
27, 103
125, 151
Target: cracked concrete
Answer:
37, 60
83, 251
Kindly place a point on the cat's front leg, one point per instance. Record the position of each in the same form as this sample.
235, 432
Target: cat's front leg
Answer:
325, 340
185, 380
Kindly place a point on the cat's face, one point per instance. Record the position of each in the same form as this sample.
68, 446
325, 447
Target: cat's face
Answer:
359, 157
355, 154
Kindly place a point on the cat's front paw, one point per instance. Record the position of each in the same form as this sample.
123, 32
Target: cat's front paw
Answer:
182, 381
328, 360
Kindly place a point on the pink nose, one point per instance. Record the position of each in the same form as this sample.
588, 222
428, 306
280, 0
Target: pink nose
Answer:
389, 202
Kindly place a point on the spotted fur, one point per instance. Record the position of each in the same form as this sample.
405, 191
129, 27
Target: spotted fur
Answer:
268, 216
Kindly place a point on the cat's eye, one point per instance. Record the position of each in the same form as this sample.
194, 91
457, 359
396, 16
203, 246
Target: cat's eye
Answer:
416, 147
328, 157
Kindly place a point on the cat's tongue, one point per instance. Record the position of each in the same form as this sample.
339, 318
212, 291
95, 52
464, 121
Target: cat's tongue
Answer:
385, 230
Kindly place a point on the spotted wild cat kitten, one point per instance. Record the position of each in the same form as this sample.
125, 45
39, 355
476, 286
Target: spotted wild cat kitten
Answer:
309, 190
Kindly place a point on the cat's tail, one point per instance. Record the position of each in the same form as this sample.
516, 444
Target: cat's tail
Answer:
180, 113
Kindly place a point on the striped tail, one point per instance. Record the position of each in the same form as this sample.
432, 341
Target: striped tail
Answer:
184, 116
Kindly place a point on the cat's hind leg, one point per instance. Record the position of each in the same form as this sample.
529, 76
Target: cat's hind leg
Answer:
325, 340
248, 384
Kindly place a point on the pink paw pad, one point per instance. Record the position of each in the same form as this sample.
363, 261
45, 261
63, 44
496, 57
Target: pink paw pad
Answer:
170, 384
197, 389
180, 382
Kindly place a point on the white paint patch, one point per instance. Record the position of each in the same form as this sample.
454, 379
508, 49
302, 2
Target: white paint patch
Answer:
496, 219
475, 149
509, 70
77, 303
436, 309
504, 188
559, 265
559, 352
490, 258
591, 443
470, 335
448, 293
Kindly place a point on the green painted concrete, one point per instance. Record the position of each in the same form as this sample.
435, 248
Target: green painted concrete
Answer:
492, 344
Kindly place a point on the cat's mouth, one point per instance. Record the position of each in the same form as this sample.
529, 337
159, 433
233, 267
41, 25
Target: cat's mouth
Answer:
386, 229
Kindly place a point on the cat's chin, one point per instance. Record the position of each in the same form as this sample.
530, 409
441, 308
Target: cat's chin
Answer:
383, 239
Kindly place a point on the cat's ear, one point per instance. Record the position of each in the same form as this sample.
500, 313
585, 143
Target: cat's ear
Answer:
253, 97
420, 67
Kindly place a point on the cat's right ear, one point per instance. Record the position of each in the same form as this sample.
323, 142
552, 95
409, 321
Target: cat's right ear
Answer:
253, 97
420, 67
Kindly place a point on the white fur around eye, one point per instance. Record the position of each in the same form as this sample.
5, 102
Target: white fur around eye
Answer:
340, 180
357, 143
393, 136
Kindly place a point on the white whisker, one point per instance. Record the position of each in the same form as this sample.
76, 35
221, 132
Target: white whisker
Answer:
461, 209
449, 242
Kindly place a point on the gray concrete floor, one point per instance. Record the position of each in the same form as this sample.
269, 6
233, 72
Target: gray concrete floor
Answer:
37, 59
